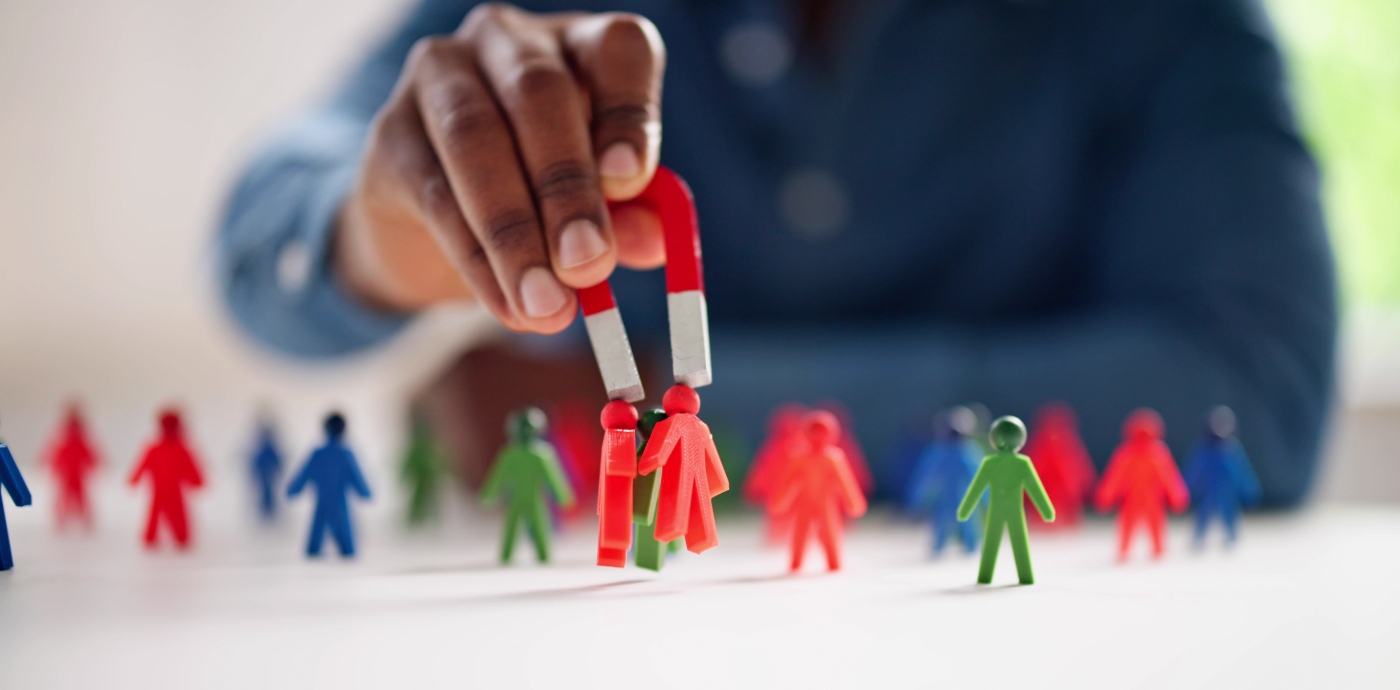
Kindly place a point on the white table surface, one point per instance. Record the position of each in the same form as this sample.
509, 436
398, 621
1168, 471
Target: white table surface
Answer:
1307, 599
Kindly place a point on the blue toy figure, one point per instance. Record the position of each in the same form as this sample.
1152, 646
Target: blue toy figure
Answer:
333, 470
267, 470
941, 477
1219, 476
13, 481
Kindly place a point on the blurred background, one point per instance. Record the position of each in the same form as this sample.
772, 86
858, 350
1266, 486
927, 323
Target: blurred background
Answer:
124, 122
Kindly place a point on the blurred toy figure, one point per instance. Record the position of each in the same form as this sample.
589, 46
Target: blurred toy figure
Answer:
1062, 463
332, 468
72, 460
171, 468
422, 470
13, 482
266, 469
940, 479
1219, 476
682, 444
525, 469
1142, 480
818, 487
1009, 476
784, 442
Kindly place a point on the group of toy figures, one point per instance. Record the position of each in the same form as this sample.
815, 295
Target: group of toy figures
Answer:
171, 468
1141, 480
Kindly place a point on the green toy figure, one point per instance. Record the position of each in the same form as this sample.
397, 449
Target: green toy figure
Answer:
525, 469
1008, 475
423, 470
651, 554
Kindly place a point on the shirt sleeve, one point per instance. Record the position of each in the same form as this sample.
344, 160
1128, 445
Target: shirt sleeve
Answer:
273, 244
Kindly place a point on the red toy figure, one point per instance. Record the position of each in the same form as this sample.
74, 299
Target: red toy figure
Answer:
850, 445
1142, 477
617, 469
171, 466
682, 444
785, 441
818, 486
72, 459
1063, 465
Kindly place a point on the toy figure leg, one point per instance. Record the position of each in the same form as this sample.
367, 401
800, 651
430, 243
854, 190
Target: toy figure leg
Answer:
991, 542
1203, 511
941, 530
1157, 525
615, 520
179, 525
344, 535
538, 524
829, 532
151, 524
1230, 516
318, 534
7, 560
268, 503
508, 536
1020, 549
700, 533
1127, 522
799, 541
650, 552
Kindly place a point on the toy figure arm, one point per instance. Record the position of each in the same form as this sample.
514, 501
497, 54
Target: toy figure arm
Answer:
1111, 486
357, 478
554, 476
851, 495
193, 476
787, 488
922, 483
714, 468
659, 446
12, 479
141, 468
491, 490
1036, 490
1084, 468
1242, 474
1195, 467
1178, 498
979, 484
299, 481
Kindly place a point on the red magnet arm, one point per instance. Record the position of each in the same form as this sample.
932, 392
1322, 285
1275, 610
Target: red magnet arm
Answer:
670, 198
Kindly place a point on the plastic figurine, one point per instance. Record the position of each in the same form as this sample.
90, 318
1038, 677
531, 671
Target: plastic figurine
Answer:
171, 468
72, 460
13, 482
1009, 476
940, 479
525, 469
818, 487
1142, 480
423, 470
266, 469
785, 441
682, 444
1062, 463
850, 445
617, 470
332, 468
1219, 476
651, 552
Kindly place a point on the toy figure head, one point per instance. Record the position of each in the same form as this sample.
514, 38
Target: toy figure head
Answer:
962, 420
1221, 423
680, 399
1143, 425
170, 423
1055, 417
335, 426
821, 428
618, 414
649, 420
528, 423
1008, 434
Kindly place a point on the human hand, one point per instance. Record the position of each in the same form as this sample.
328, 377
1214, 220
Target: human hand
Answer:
487, 173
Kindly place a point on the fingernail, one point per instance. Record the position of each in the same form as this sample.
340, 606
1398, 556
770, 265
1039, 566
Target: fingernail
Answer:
580, 243
619, 161
540, 294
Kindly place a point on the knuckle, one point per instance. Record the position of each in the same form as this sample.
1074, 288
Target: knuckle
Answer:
623, 116
464, 117
540, 79
435, 195
484, 14
430, 49
511, 231
563, 179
